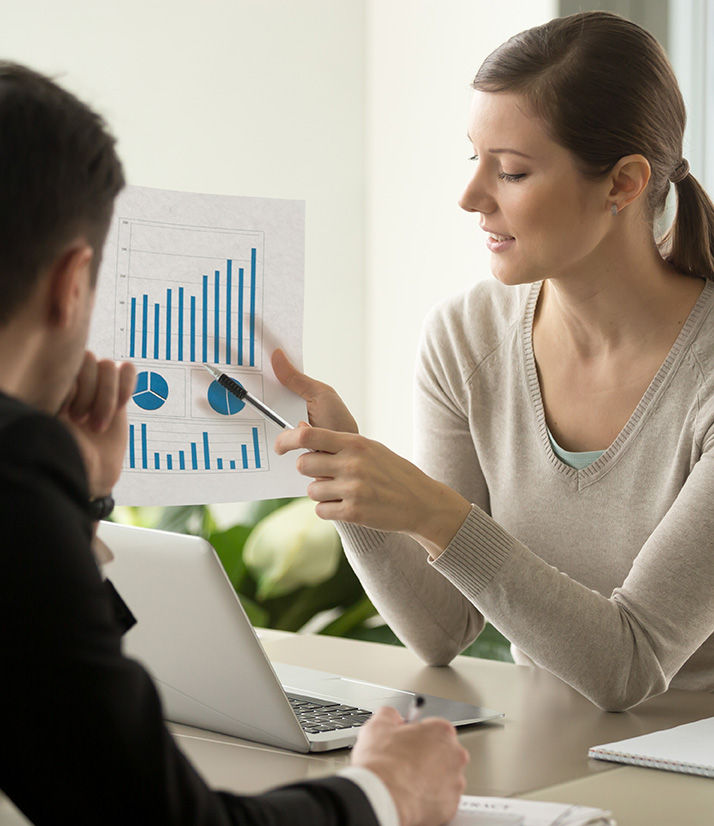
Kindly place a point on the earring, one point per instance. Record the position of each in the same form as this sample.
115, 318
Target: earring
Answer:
613, 210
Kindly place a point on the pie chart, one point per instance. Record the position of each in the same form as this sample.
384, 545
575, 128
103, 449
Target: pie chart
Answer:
222, 401
151, 390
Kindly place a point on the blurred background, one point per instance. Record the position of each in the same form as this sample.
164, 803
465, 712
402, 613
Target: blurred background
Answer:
359, 108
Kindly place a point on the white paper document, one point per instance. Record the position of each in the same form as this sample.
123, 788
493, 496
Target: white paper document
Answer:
507, 811
188, 279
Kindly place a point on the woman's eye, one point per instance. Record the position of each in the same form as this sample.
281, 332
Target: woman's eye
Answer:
505, 176
473, 158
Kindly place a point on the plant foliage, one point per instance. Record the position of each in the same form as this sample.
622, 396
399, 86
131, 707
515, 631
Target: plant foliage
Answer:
287, 593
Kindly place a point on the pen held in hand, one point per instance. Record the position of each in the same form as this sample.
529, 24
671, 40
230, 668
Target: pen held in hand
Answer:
237, 390
415, 709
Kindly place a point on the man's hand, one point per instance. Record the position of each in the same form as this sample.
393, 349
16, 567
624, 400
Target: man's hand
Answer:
420, 763
95, 412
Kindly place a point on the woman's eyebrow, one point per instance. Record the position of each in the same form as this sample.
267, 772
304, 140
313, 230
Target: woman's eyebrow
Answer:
504, 150
507, 151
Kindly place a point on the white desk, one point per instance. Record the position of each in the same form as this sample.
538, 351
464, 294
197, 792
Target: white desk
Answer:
640, 797
539, 750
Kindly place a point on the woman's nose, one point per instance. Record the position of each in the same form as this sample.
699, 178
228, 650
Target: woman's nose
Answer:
474, 198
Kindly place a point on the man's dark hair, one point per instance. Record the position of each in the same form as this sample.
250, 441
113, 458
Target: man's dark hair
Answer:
59, 176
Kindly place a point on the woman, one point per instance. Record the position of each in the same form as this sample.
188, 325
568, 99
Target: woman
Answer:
565, 410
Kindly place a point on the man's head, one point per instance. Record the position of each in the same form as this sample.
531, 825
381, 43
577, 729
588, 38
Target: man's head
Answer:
59, 176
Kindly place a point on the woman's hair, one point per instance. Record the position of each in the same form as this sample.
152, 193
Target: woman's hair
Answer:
604, 88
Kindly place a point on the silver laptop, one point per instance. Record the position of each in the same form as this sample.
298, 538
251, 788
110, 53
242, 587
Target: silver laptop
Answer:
210, 668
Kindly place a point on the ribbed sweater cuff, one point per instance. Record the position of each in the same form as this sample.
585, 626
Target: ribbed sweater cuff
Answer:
476, 554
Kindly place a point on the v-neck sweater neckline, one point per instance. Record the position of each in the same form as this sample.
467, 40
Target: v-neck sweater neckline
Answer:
660, 380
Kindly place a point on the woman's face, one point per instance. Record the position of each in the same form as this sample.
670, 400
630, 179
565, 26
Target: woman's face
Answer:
542, 217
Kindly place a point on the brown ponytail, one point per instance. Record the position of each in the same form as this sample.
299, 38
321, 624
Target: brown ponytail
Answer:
605, 89
688, 245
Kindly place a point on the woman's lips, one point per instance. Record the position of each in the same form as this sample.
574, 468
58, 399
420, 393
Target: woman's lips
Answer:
499, 243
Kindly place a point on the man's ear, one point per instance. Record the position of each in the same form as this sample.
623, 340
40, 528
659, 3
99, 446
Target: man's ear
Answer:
628, 180
69, 280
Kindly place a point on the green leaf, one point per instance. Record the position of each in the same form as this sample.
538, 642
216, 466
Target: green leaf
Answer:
258, 616
291, 611
353, 617
490, 645
378, 633
182, 519
229, 547
256, 511
139, 517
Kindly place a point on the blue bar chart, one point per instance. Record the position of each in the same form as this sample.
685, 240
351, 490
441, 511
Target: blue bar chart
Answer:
175, 448
185, 306
191, 279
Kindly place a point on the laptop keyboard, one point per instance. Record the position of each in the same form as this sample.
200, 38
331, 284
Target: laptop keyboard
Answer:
322, 715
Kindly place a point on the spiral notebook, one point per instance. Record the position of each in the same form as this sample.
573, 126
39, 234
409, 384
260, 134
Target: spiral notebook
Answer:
688, 748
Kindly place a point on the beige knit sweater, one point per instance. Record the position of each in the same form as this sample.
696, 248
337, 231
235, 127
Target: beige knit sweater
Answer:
604, 576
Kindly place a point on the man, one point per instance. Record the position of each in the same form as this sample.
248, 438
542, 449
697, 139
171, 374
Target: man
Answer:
83, 740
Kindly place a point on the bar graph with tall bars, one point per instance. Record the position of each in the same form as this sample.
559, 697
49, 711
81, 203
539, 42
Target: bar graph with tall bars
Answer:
186, 307
177, 449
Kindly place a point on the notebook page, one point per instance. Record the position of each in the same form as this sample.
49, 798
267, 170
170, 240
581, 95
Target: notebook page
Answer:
682, 748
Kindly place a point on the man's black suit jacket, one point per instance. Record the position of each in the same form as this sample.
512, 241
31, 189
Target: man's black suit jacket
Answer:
82, 739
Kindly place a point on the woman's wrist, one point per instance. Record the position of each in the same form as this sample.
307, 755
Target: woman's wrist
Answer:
441, 521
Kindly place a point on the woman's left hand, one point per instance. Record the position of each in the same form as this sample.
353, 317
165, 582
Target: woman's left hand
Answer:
361, 481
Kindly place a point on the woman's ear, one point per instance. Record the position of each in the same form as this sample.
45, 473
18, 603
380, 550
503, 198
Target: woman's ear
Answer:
70, 278
628, 180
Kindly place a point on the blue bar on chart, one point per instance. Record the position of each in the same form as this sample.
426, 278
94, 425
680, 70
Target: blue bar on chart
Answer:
143, 454
206, 452
168, 325
205, 318
144, 451
229, 305
144, 326
180, 324
252, 306
221, 323
193, 328
132, 343
157, 328
133, 447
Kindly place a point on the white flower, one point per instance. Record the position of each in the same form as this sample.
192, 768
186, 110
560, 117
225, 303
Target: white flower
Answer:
290, 548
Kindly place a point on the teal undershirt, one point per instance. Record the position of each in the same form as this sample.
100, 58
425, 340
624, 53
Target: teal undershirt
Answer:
576, 459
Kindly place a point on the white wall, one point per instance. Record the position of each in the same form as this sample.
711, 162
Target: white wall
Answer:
691, 26
421, 58
357, 106
245, 97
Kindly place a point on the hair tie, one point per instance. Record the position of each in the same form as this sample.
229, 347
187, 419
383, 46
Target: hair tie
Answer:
680, 171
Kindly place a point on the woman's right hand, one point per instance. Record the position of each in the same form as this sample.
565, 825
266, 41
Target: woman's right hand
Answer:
324, 407
359, 480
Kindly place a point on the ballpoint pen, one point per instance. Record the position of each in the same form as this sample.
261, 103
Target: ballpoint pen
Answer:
236, 389
415, 709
